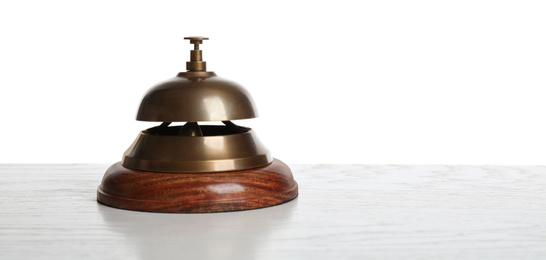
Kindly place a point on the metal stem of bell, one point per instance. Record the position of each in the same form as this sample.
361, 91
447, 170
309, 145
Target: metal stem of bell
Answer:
196, 62
196, 55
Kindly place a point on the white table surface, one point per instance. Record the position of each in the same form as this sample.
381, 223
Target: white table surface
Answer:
343, 212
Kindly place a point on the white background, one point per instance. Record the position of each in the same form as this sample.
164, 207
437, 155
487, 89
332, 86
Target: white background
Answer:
397, 82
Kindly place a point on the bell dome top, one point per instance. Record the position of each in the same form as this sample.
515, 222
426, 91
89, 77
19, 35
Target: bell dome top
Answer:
196, 95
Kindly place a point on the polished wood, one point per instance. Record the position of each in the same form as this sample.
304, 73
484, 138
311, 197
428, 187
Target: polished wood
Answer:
260, 187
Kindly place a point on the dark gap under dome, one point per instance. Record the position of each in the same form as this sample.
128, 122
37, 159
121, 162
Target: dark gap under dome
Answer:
194, 129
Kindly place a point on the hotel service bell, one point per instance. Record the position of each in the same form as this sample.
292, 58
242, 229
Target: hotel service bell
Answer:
195, 167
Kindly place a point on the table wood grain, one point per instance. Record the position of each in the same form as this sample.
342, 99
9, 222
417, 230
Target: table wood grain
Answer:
343, 212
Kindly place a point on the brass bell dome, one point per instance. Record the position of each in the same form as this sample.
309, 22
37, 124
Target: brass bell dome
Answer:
196, 96
193, 97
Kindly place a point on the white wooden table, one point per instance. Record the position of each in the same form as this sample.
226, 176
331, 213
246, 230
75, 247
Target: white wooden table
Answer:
343, 212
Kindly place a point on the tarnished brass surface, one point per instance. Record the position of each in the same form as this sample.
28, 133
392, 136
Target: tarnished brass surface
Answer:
189, 99
196, 95
197, 75
196, 66
215, 151
196, 62
190, 129
196, 39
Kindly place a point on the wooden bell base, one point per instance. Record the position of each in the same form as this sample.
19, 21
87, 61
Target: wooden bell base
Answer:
266, 186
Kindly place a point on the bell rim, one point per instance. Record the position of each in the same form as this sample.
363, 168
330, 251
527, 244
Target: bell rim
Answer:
191, 154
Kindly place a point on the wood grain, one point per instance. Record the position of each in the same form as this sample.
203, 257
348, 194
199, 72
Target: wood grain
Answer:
342, 212
261, 187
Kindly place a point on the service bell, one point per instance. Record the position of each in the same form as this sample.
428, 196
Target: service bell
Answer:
195, 167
